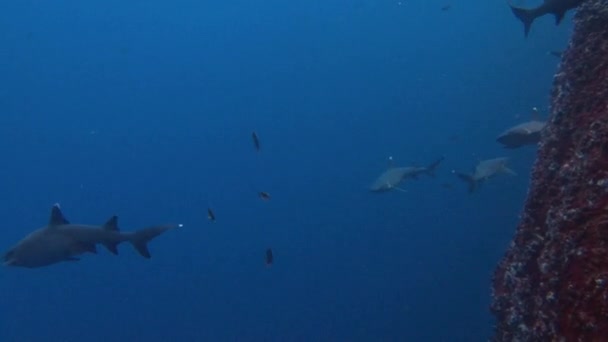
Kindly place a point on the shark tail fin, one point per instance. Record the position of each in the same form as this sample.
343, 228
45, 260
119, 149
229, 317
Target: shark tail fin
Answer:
469, 179
430, 169
140, 238
112, 225
525, 15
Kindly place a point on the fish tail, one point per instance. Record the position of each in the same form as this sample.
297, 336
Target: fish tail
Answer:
430, 169
526, 16
140, 238
469, 179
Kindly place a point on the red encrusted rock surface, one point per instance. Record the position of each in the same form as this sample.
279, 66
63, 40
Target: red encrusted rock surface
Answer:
552, 284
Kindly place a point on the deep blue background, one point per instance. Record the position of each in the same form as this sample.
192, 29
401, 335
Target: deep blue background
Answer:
144, 109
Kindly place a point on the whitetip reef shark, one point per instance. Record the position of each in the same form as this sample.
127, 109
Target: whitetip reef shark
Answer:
527, 133
391, 178
485, 170
61, 240
556, 7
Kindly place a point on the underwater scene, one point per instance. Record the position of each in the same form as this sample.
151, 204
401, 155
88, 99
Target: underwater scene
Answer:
304, 171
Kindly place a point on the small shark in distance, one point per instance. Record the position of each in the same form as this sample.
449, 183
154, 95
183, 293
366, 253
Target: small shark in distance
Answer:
61, 240
392, 177
484, 170
556, 7
527, 133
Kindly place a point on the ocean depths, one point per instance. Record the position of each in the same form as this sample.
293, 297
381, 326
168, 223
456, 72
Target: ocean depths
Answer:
145, 110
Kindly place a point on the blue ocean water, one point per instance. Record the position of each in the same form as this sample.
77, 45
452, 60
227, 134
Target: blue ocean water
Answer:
145, 109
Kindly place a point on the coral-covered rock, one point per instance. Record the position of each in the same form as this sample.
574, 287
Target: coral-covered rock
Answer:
552, 284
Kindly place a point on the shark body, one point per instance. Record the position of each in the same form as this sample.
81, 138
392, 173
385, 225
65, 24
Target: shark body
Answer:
61, 241
527, 133
485, 170
391, 178
556, 7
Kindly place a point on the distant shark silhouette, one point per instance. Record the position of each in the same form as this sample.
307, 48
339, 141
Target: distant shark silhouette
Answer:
485, 170
391, 178
527, 133
556, 7
62, 241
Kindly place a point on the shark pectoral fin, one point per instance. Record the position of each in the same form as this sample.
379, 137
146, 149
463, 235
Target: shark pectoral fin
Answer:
399, 189
140, 238
509, 171
112, 247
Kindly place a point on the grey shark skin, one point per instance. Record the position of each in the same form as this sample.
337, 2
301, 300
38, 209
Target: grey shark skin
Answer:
391, 178
485, 170
62, 241
556, 7
527, 133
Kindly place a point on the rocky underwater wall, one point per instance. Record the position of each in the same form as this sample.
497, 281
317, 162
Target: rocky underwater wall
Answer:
552, 284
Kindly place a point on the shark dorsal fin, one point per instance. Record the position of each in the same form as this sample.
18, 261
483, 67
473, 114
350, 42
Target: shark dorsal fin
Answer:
535, 114
111, 224
57, 217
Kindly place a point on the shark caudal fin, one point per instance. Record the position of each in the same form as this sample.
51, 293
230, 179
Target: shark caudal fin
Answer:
140, 238
526, 16
472, 182
430, 169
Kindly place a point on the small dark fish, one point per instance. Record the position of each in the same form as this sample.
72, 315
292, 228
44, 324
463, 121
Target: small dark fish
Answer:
445, 8
556, 7
269, 257
256, 141
264, 195
210, 215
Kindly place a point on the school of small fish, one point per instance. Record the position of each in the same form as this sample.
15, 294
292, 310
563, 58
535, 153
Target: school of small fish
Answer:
263, 195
